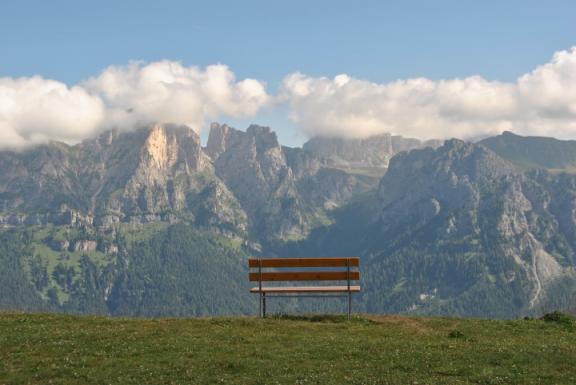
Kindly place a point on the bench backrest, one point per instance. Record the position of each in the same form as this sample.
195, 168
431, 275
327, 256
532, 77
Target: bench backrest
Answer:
341, 269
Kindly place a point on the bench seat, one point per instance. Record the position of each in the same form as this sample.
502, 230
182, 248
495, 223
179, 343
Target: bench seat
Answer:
305, 289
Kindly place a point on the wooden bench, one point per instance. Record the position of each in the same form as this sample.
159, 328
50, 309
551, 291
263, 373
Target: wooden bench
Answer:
340, 269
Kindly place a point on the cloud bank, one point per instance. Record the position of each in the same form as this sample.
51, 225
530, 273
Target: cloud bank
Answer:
169, 92
542, 102
35, 110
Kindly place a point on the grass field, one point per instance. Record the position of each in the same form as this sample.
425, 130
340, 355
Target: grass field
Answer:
61, 349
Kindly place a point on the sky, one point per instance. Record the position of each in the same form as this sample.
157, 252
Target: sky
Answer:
69, 69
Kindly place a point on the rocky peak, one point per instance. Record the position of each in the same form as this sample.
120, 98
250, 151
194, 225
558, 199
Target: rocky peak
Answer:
169, 145
277, 186
427, 181
254, 167
471, 160
455, 159
252, 162
264, 138
217, 139
222, 137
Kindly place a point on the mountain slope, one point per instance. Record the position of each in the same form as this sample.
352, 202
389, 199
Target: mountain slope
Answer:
151, 223
530, 152
461, 232
98, 222
458, 231
284, 191
137, 177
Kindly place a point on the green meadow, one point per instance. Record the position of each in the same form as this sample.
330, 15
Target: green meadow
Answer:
64, 349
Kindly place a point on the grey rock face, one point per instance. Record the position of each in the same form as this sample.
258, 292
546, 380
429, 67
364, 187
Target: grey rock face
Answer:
136, 177
60, 216
162, 170
83, 245
219, 139
216, 207
242, 184
446, 174
254, 167
375, 151
279, 188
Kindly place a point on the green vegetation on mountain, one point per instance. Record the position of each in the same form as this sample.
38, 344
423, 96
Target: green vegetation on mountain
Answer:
175, 270
183, 272
17, 290
40, 349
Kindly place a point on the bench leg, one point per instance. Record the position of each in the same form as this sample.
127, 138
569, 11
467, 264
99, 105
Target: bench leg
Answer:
349, 305
263, 305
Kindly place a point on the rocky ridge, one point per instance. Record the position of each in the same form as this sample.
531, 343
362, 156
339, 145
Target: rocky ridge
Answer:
375, 151
242, 183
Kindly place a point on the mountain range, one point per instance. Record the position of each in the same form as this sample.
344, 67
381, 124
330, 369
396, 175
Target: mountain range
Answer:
151, 223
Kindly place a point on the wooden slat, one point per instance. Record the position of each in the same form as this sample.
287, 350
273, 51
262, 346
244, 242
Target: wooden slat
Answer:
306, 276
305, 262
306, 289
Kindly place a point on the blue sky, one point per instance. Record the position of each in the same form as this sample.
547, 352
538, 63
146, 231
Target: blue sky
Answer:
376, 40
373, 40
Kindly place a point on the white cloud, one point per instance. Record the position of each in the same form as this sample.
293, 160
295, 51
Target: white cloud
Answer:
35, 110
166, 91
542, 102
